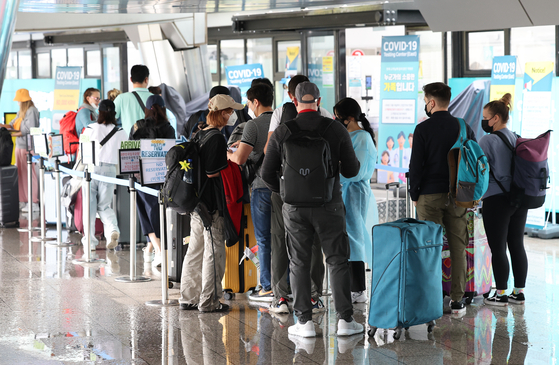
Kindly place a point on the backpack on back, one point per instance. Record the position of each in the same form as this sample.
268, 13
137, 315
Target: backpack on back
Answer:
469, 170
68, 131
307, 171
183, 188
6, 147
529, 171
288, 112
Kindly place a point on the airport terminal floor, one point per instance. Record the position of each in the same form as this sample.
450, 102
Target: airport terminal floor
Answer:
56, 312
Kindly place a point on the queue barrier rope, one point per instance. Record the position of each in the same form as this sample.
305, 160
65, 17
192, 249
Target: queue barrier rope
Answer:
108, 180
402, 170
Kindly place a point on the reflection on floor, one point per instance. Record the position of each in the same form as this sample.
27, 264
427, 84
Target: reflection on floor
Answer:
55, 312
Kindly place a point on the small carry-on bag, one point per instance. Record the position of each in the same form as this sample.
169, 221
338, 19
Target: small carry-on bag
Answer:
9, 197
478, 260
406, 283
241, 274
178, 238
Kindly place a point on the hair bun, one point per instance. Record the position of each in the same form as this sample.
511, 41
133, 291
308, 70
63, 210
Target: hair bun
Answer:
506, 99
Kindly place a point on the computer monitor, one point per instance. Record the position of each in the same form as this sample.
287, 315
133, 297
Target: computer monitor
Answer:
9, 117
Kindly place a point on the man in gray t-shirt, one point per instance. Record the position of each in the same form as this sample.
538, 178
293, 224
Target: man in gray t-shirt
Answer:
251, 147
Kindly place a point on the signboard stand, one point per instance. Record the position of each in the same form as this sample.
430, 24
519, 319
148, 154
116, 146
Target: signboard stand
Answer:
59, 242
133, 217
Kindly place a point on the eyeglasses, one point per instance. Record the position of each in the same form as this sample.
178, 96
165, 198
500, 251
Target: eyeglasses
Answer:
96, 99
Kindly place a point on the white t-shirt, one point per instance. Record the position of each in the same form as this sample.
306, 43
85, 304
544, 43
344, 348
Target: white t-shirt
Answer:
109, 152
276, 117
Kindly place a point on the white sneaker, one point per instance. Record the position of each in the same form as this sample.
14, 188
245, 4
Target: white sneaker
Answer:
349, 328
114, 240
301, 343
22, 205
280, 307
148, 256
36, 207
25, 208
303, 330
156, 260
358, 297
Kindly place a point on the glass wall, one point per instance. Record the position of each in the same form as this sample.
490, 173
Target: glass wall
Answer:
111, 68
43, 65
232, 54
58, 57
322, 68
24, 65
532, 44
75, 57
93, 59
283, 61
11, 67
482, 47
259, 50
212, 56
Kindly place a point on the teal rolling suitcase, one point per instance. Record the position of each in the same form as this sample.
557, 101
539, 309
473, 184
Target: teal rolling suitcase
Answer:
406, 275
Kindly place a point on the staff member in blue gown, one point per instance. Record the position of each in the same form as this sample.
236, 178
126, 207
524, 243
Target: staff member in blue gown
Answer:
360, 203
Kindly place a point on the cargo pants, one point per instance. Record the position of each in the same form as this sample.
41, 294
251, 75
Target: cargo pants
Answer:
440, 209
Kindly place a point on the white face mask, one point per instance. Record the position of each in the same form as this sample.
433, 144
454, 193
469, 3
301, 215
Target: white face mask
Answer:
251, 113
232, 119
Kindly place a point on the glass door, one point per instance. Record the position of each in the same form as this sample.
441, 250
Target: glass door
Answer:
321, 67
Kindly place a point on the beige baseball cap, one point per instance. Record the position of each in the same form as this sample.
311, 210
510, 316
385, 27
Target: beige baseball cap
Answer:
222, 102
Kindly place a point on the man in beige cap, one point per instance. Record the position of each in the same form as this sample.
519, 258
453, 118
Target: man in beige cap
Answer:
204, 263
327, 220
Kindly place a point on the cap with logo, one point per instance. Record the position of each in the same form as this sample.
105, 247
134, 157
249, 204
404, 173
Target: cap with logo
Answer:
219, 90
222, 102
307, 93
155, 99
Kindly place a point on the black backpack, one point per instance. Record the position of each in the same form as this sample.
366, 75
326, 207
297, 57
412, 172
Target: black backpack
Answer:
307, 171
6, 147
288, 112
179, 194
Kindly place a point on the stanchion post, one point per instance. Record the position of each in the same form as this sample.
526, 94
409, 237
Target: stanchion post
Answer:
43, 237
86, 202
30, 227
133, 218
164, 302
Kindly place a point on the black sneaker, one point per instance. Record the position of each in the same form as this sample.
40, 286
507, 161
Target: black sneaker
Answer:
516, 298
499, 301
188, 307
457, 307
221, 307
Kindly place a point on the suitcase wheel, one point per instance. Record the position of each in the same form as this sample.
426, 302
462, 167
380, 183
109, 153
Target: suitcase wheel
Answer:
170, 285
228, 296
397, 333
372, 331
430, 326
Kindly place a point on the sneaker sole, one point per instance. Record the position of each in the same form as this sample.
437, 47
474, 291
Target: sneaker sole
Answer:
305, 334
261, 299
279, 310
350, 332
496, 304
516, 302
457, 311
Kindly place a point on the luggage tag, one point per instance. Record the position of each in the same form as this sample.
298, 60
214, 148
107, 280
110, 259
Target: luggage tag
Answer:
250, 253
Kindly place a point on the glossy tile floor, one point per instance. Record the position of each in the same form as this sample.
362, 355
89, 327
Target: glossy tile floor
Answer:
55, 312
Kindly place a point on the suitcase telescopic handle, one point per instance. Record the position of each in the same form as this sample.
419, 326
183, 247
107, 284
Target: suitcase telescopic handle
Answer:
389, 185
412, 220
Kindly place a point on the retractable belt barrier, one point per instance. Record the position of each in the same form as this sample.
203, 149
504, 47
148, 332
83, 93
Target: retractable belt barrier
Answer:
133, 188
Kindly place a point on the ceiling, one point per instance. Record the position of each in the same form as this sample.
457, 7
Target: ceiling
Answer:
180, 6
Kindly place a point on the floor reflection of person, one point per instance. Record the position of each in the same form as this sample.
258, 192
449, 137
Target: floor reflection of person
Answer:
202, 340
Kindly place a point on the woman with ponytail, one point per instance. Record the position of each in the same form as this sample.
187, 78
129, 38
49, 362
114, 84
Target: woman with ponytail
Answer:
360, 203
504, 224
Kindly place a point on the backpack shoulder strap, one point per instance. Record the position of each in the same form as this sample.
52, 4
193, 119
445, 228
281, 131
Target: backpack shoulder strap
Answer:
324, 126
504, 139
109, 136
207, 136
292, 126
140, 101
463, 131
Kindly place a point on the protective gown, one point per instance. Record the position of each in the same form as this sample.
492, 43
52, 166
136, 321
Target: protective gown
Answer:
360, 203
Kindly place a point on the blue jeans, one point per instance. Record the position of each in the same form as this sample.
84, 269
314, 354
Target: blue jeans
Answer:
261, 209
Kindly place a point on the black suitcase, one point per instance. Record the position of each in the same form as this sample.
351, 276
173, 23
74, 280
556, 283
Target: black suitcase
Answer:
178, 236
9, 197
121, 207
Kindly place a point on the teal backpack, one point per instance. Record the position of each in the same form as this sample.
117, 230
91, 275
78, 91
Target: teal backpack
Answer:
469, 170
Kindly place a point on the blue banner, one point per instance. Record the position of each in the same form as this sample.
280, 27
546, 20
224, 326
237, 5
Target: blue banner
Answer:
243, 75
398, 104
503, 71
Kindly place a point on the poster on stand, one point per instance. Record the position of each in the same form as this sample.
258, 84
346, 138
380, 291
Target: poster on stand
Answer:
537, 114
503, 76
67, 88
242, 76
398, 105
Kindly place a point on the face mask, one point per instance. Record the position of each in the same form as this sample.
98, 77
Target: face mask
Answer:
232, 119
341, 121
251, 113
485, 126
429, 114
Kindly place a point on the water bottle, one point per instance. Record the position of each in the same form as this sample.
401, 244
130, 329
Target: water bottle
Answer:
188, 173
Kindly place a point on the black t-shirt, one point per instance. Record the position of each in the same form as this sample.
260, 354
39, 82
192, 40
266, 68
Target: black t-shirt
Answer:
213, 157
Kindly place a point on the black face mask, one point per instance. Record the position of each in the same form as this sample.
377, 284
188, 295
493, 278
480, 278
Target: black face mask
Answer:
341, 121
485, 126
429, 114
